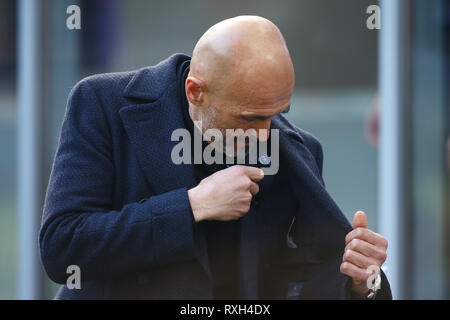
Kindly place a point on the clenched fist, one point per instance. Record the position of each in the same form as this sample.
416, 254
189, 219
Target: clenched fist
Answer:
364, 248
226, 195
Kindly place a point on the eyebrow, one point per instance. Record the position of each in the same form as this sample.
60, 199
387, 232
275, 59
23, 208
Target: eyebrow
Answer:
257, 117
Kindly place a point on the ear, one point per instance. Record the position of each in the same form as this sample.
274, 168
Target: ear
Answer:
195, 91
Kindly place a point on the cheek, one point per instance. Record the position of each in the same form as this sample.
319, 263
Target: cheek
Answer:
226, 121
210, 119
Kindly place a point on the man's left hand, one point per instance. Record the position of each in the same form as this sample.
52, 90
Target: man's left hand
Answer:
364, 248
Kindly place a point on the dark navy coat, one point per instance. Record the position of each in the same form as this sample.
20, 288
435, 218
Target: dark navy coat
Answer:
117, 207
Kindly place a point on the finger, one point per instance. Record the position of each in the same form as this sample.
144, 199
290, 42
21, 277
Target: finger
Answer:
359, 220
353, 271
366, 235
255, 174
254, 189
367, 249
358, 259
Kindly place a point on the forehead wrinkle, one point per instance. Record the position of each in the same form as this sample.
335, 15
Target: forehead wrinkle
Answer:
267, 100
258, 113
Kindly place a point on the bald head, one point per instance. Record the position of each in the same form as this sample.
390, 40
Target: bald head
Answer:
241, 75
242, 53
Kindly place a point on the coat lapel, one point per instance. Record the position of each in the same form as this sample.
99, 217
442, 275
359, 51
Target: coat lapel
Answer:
303, 168
149, 128
326, 226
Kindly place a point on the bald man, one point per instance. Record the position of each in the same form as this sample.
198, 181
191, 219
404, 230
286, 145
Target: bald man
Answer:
123, 220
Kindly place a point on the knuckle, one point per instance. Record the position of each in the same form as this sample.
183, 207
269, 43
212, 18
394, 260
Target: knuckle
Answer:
354, 244
347, 237
344, 267
347, 246
244, 209
246, 184
382, 255
359, 232
348, 254
233, 169
239, 169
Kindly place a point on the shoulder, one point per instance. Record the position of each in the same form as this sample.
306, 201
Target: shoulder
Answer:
115, 90
98, 95
107, 82
102, 87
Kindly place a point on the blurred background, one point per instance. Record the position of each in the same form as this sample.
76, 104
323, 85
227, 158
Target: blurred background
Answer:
378, 100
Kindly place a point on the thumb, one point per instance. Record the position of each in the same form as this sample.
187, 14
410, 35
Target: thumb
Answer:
359, 220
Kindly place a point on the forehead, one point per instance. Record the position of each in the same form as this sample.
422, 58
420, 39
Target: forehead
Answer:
263, 113
260, 102
263, 94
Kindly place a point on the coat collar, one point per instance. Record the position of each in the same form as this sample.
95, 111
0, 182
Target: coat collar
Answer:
150, 123
149, 127
301, 163
307, 182
150, 83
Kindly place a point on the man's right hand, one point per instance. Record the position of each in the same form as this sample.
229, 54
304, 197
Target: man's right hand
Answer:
225, 195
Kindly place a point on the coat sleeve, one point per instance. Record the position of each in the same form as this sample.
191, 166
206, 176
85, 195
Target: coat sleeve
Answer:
79, 226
